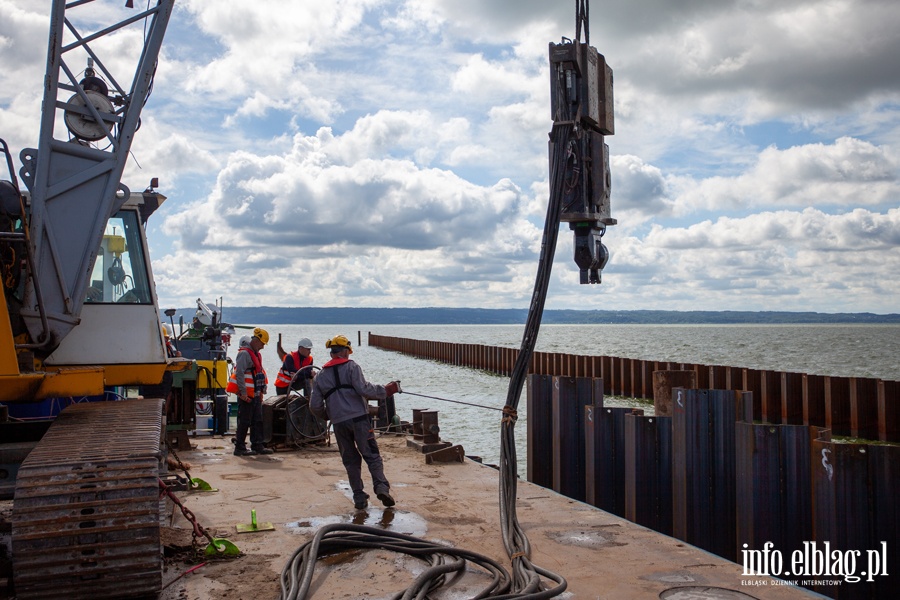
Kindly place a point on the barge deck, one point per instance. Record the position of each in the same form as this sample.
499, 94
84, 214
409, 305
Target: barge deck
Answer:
298, 491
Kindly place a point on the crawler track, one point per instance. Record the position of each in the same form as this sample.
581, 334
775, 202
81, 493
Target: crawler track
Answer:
85, 520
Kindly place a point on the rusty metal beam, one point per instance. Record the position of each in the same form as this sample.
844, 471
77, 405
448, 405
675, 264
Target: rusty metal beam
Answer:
773, 487
570, 396
703, 471
605, 458
648, 471
539, 429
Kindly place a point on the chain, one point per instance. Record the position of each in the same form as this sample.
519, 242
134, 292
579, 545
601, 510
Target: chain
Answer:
181, 466
9, 278
198, 529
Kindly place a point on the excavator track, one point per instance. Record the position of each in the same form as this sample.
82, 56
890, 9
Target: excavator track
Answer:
86, 512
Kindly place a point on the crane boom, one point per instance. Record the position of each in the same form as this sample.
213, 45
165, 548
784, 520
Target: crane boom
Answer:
74, 183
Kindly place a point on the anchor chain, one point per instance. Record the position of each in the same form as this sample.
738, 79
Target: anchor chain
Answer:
198, 529
190, 480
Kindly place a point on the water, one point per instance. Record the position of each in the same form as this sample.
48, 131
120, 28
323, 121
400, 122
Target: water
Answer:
836, 350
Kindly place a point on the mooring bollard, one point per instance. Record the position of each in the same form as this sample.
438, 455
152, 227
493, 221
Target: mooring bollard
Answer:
417, 423
426, 432
430, 429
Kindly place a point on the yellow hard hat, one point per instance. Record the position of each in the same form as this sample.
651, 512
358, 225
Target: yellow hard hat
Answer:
339, 340
165, 330
261, 334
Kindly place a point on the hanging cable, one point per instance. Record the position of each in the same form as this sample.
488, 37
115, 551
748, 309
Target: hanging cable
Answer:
526, 577
582, 19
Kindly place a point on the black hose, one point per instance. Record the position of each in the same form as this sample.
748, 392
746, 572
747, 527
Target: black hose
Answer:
297, 575
526, 577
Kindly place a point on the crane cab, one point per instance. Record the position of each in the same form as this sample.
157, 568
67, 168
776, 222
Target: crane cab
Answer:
117, 339
119, 328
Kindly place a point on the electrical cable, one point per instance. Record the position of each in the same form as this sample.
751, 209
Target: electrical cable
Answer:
526, 576
294, 394
297, 575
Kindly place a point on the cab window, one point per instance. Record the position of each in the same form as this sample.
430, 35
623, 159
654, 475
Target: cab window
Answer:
120, 270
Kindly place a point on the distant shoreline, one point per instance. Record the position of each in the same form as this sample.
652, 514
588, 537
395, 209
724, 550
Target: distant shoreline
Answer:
517, 316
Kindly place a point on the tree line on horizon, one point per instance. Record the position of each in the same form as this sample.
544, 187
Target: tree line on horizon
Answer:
517, 316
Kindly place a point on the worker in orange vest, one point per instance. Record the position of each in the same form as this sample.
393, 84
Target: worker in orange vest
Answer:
248, 381
294, 362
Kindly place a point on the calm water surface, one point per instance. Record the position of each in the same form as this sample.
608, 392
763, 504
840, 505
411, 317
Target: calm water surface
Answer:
836, 350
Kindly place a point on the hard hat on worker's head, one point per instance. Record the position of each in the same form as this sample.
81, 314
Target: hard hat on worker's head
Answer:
261, 334
338, 343
245, 342
305, 343
165, 330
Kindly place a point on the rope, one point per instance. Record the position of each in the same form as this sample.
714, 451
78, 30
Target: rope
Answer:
188, 572
453, 401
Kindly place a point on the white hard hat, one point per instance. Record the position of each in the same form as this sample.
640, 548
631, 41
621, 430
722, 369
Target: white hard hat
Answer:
305, 343
245, 342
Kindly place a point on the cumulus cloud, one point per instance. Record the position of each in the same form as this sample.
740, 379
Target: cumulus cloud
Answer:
640, 190
372, 228
796, 257
847, 173
394, 153
309, 199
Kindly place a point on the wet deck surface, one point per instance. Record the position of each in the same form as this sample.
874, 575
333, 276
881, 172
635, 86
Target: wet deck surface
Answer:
298, 491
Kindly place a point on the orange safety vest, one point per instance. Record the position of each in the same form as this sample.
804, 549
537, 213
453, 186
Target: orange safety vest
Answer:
283, 379
249, 379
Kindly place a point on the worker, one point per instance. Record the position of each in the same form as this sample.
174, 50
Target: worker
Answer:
341, 392
294, 362
171, 350
248, 380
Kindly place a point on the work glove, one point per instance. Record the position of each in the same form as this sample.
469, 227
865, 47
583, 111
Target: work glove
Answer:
392, 388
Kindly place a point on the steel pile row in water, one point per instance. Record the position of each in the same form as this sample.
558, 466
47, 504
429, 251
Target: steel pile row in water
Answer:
772, 497
733, 472
860, 407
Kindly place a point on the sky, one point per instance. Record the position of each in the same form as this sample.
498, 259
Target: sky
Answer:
393, 153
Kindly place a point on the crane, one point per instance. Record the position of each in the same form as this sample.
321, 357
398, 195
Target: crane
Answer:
79, 314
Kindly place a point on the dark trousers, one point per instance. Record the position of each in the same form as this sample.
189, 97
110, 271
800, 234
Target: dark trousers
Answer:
356, 441
250, 417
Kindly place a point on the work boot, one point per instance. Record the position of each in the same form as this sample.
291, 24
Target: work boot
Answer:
244, 452
360, 501
386, 498
263, 450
